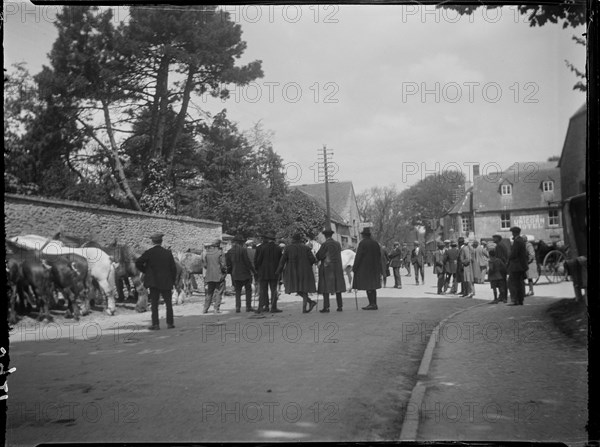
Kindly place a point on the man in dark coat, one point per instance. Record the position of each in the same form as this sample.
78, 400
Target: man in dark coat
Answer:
160, 271
215, 271
405, 257
396, 260
502, 249
331, 273
517, 268
438, 267
450, 267
418, 261
298, 277
367, 268
241, 269
268, 255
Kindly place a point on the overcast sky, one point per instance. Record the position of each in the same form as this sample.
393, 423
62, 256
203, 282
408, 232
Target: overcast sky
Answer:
395, 91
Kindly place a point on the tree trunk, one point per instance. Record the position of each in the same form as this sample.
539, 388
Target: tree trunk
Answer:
160, 108
118, 166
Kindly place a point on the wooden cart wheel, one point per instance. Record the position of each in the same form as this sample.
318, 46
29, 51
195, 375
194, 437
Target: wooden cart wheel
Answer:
554, 266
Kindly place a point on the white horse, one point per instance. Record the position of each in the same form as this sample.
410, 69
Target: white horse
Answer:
100, 265
347, 263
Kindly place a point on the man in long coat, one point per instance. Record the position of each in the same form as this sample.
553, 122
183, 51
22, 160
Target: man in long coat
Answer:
450, 267
396, 260
517, 268
298, 277
405, 257
215, 271
331, 273
241, 269
438, 267
464, 259
268, 255
418, 261
367, 268
160, 271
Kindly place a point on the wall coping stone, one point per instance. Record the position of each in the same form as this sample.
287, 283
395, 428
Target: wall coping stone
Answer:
96, 208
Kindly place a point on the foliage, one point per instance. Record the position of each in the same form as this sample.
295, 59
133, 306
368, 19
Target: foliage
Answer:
298, 213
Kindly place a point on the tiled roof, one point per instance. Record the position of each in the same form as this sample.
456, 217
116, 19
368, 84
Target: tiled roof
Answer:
335, 217
526, 180
463, 204
339, 195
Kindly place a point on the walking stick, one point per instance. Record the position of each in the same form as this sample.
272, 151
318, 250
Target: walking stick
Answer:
356, 299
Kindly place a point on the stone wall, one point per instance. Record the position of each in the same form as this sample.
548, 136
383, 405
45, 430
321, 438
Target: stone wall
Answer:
45, 217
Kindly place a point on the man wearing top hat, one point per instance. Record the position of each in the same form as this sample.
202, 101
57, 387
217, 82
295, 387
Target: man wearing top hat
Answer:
517, 268
268, 255
160, 271
296, 265
331, 273
367, 268
417, 260
215, 271
241, 269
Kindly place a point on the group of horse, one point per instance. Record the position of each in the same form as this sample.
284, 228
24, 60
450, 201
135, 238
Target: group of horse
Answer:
82, 272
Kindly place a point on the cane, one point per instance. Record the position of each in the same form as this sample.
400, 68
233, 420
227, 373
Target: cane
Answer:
356, 299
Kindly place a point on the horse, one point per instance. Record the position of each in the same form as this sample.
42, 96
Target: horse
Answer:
192, 261
347, 263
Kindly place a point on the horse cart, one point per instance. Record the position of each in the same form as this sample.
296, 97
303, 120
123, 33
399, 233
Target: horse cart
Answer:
576, 229
551, 261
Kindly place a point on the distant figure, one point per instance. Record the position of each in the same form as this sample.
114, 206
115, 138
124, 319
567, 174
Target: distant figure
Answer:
396, 261
215, 271
517, 268
160, 272
296, 266
385, 266
268, 255
418, 261
438, 268
497, 277
367, 268
331, 273
450, 267
532, 270
466, 265
405, 257
241, 270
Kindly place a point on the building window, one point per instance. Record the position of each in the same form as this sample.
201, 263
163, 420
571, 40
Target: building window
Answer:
505, 221
506, 190
553, 219
344, 241
466, 224
547, 186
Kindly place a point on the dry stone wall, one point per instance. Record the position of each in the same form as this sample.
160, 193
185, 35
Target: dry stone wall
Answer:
45, 217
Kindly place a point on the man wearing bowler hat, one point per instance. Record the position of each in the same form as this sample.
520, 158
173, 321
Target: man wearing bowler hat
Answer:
241, 269
367, 268
268, 255
160, 271
517, 268
331, 273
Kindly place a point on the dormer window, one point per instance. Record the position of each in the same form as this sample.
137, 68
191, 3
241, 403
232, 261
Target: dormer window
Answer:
548, 186
506, 189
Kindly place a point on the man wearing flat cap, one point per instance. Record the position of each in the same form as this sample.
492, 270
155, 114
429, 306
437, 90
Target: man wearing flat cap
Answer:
438, 267
215, 271
160, 271
241, 269
517, 268
268, 255
331, 272
367, 268
417, 259
396, 259
296, 265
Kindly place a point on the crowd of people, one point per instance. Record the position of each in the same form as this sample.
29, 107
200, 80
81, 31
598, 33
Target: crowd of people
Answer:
267, 265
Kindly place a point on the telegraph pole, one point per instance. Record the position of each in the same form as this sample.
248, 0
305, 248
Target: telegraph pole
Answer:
326, 176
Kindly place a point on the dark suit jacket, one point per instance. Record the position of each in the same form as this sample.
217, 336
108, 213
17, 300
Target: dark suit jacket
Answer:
417, 258
517, 259
396, 258
238, 263
268, 255
158, 266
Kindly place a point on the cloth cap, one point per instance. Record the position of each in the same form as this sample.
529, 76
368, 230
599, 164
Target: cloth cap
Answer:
157, 237
461, 239
249, 242
515, 230
453, 244
417, 243
530, 237
447, 241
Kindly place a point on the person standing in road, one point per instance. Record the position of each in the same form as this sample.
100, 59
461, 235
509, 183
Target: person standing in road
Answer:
396, 261
477, 260
251, 247
532, 266
464, 259
517, 268
215, 271
298, 277
385, 265
450, 266
159, 269
241, 269
417, 260
497, 277
331, 273
438, 267
484, 258
268, 255
405, 258
367, 268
